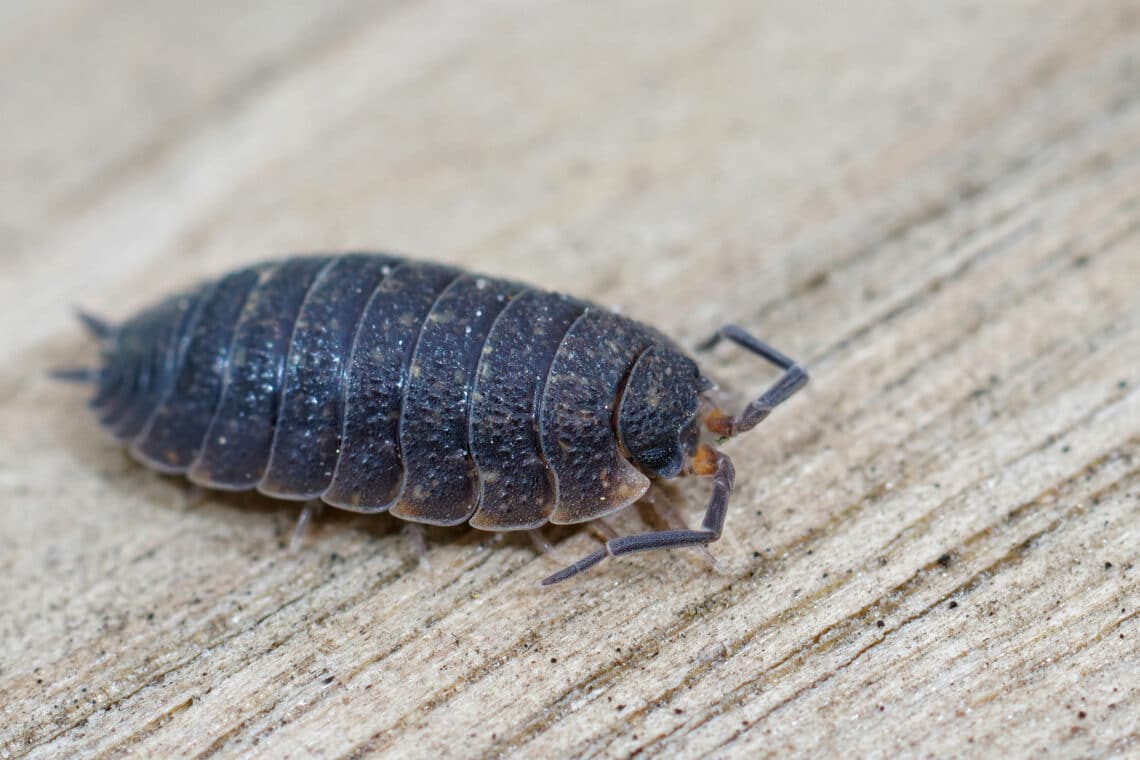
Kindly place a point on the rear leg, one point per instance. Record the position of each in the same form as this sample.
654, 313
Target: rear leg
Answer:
313, 509
544, 548
416, 535
602, 530
195, 495
309, 512
541, 545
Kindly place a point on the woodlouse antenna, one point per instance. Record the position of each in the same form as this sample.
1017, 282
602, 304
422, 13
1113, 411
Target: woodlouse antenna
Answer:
723, 475
794, 378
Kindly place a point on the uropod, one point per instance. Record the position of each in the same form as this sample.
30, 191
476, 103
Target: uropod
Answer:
378, 383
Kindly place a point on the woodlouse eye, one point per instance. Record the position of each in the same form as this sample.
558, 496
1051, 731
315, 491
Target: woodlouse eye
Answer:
663, 461
655, 459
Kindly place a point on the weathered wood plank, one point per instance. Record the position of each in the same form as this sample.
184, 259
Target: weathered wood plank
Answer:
931, 551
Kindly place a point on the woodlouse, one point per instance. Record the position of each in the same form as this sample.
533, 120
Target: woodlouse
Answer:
378, 383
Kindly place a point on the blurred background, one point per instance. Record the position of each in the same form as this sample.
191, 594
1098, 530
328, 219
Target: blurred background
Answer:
630, 147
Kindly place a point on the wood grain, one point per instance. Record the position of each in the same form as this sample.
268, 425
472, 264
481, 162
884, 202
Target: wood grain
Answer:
931, 551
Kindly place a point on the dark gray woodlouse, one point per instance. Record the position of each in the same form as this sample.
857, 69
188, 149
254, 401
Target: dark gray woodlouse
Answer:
377, 383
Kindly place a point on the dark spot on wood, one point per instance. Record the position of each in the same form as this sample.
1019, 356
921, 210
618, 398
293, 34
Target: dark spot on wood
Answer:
817, 280
953, 605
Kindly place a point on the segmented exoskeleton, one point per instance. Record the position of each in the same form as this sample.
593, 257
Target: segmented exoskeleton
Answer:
378, 383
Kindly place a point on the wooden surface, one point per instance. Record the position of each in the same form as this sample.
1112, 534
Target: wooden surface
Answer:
931, 551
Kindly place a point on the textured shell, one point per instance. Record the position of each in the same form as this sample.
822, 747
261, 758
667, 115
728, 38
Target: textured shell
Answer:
379, 383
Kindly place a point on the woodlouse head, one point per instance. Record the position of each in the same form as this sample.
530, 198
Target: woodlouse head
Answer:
657, 419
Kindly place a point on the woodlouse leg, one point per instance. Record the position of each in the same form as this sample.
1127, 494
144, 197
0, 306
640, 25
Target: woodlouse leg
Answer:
309, 513
415, 533
541, 545
794, 378
711, 527
195, 495
602, 530
661, 510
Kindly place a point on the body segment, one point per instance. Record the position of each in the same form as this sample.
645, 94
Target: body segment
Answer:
173, 434
517, 488
307, 433
576, 418
369, 474
236, 447
441, 481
